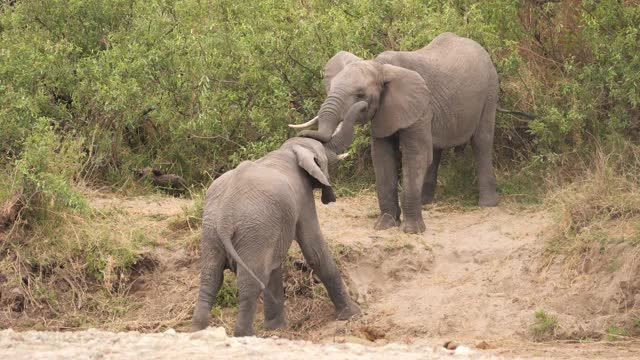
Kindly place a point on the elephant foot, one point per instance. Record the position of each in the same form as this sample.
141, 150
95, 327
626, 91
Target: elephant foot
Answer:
276, 323
200, 322
489, 200
413, 226
198, 326
241, 332
348, 312
386, 221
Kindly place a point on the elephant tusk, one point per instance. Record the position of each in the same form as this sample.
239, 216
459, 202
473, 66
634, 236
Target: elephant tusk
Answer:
342, 156
305, 125
338, 128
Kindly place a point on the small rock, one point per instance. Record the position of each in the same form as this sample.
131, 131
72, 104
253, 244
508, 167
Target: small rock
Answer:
371, 333
450, 345
483, 345
170, 331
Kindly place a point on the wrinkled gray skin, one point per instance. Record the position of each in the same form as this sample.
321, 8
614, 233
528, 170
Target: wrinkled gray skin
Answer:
252, 214
420, 102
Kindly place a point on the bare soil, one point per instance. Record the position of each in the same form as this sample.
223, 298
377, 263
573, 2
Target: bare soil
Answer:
475, 277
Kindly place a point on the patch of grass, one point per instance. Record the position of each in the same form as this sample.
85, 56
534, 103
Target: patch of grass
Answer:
192, 218
614, 266
602, 206
544, 325
228, 294
77, 262
342, 252
635, 325
523, 186
457, 179
344, 186
616, 333
393, 247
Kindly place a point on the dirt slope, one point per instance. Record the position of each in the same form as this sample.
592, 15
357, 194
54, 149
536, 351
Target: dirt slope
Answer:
475, 275
466, 277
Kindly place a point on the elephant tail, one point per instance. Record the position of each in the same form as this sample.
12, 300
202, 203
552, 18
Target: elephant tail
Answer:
228, 246
519, 113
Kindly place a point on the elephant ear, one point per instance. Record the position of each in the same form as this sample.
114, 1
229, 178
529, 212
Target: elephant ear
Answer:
404, 100
307, 161
335, 65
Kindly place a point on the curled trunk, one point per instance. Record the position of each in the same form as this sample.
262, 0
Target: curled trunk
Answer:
328, 119
343, 138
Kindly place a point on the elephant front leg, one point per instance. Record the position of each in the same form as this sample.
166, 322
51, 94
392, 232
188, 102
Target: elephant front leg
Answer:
416, 148
274, 317
385, 163
318, 256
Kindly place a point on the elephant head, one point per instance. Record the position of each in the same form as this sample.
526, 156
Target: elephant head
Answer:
395, 97
315, 157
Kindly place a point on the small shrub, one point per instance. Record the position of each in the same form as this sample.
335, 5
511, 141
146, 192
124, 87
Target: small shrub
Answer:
603, 206
616, 333
46, 171
544, 325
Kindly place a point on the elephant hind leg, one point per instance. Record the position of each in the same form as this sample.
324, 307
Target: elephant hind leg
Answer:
431, 179
249, 292
211, 276
482, 144
274, 317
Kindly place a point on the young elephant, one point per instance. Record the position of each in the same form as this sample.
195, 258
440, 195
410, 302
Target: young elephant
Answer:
251, 216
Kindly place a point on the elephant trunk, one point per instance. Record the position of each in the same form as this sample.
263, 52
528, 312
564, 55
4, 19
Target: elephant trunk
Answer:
344, 137
328, 119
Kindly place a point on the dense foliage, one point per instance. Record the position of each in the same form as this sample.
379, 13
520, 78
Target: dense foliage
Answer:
195, 86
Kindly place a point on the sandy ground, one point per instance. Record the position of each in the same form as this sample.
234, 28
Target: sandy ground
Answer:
206, 344
475, 277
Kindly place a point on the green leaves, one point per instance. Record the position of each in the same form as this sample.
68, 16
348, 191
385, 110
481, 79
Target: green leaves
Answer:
46, 169
195, 87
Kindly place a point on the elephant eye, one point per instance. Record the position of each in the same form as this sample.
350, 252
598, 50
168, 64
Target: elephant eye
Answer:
316, 161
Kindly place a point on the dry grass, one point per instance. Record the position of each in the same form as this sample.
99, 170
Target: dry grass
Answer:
603, 205
74, 269
307, 303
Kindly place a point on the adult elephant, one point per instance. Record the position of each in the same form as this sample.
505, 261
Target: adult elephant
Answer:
420, 102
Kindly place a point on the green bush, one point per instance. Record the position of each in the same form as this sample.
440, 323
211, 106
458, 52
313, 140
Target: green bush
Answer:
194, 87
46, 170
